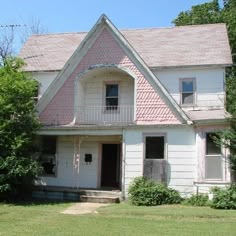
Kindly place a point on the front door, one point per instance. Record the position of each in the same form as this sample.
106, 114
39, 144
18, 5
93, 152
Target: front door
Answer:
110, 175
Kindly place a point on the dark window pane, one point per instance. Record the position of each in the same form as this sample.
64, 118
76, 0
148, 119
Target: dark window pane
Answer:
187, 86
111, 101
211, 147
48, 157
49, 144
155, 147
187, 98
112, 90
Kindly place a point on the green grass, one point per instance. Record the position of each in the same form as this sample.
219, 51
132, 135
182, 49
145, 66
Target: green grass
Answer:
121, 219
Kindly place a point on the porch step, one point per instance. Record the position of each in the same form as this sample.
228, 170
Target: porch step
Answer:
99, 199
85, 195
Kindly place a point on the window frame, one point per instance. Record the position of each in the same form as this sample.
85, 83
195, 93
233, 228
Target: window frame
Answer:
164, 135
106, 110
220, 155
181, 80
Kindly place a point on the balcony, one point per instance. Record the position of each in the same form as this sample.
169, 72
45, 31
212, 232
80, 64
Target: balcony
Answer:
105, 115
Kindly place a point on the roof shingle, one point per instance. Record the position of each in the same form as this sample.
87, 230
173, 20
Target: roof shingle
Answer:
195, 45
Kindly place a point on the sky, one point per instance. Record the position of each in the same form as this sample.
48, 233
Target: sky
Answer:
57, 16
77, 15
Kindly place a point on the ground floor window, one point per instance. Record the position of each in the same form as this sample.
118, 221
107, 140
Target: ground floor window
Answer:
155, 165
155, 146
48, 154
213, 158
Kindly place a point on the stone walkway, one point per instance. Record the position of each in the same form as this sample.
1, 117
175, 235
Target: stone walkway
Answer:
83, 208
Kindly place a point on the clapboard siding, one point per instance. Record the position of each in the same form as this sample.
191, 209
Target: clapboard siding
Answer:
209, 84
181, 156
94, 89
44, 79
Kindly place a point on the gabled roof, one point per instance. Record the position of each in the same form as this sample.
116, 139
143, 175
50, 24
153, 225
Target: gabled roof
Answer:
196, 45
82, 50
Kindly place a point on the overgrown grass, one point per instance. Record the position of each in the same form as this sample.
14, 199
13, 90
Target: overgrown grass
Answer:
120, 219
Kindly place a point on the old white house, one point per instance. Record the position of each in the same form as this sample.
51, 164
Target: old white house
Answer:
116, 104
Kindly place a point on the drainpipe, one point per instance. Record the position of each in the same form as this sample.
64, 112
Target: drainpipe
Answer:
123, 163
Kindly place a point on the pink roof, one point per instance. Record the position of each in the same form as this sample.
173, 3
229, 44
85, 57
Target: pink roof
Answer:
158, 47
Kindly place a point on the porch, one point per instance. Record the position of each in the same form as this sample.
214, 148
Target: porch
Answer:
79, 164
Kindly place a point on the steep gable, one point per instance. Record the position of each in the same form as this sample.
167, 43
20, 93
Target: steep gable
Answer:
105, 46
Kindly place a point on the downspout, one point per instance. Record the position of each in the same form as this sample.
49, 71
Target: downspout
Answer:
123, 163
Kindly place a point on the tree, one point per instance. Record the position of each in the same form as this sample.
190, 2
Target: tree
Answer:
17, 125
208, 13
10, 37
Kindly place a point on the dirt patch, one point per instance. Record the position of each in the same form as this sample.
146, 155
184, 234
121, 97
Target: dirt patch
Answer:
83, 208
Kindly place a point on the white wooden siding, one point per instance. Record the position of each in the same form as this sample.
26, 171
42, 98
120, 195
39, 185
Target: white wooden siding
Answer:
181, 156
44, 79
209, 84
94, 89
67, 174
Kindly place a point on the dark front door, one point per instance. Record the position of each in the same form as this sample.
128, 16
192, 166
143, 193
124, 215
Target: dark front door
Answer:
110, 176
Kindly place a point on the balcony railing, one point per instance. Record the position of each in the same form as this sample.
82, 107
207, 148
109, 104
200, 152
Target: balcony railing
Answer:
105, 114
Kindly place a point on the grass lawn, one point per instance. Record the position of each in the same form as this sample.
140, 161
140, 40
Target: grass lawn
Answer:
120, 219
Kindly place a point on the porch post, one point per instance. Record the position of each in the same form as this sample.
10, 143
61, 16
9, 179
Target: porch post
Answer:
77, 143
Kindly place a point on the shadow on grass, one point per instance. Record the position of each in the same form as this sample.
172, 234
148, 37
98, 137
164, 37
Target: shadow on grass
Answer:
29, 201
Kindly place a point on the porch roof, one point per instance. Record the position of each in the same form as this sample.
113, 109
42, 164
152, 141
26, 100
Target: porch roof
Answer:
208, 115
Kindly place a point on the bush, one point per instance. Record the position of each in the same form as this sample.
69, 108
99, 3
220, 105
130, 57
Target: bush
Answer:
145, 192
224, 198
197, 200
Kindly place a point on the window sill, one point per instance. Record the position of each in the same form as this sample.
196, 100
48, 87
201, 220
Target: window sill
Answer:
212, 182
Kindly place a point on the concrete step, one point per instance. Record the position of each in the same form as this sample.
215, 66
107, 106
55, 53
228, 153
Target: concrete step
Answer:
99, 199
100, 193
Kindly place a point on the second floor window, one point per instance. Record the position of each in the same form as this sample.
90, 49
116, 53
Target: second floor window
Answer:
187, 90
112, 96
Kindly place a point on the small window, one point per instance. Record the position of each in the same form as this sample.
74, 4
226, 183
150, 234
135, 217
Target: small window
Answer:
112, 91
187, 91
155, 147
213, 158
48, 155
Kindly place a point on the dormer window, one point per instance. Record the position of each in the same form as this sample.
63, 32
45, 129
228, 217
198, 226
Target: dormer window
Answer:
112, 97
187, 91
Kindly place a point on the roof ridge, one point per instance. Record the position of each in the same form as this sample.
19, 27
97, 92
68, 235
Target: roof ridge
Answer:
132, 29
171, 27
60, 33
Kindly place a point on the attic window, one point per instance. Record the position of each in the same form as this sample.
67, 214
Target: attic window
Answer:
187, 91
112, 98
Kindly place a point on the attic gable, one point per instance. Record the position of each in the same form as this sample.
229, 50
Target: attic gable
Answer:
104, 45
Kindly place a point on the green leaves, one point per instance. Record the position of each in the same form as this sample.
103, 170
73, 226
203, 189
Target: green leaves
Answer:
17, 125
206, 13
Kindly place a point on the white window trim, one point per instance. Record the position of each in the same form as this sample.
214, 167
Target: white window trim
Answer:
194, 91
104, 96
201, 153
212, 155
145, 135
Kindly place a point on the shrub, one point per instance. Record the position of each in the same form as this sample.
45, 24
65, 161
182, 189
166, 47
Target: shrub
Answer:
145, 192
224, 198
197, 200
